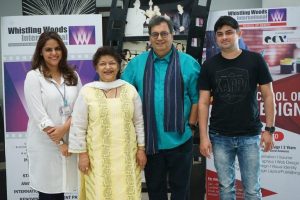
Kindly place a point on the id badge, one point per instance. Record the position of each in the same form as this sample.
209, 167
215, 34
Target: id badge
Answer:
65, 110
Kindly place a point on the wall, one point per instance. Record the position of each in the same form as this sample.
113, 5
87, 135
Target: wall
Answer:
280, 3
234, 4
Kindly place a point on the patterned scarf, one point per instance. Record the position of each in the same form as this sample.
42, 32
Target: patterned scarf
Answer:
173, 100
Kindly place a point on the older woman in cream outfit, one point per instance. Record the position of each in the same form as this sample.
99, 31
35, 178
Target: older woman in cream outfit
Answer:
107, 132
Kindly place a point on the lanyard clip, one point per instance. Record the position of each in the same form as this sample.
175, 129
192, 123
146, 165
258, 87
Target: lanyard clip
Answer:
65, 102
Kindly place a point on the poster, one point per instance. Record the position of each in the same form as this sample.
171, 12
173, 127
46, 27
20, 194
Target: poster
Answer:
141, 12
82, 35
275, 33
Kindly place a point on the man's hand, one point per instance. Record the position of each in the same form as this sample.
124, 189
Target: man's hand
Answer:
205, 147
266, 141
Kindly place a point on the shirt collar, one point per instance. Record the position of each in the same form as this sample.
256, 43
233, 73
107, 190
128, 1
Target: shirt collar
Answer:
166, 57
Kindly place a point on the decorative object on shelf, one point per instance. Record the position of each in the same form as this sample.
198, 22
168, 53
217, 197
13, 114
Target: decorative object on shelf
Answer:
149, 12
135, 20
180, 47
181, 20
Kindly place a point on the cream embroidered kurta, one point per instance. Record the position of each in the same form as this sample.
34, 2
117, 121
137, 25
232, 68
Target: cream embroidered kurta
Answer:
109, 129
49, 171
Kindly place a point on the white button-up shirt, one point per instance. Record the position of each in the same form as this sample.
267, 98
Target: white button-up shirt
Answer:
49, 170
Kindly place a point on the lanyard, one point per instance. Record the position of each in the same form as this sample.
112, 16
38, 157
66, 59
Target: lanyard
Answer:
62, 95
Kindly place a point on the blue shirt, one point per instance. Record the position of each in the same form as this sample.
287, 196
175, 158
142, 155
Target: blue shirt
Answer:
190, 70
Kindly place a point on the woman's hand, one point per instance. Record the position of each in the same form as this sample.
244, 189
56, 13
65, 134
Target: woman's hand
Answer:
141, 157
64, 150
56, 133
84, 163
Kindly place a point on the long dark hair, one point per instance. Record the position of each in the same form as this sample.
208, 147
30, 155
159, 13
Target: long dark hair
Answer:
38, 61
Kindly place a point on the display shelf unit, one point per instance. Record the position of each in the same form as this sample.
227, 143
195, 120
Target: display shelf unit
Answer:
115, 34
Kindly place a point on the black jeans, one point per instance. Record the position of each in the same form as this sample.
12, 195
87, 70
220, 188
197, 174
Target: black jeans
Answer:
45, 196
171, 167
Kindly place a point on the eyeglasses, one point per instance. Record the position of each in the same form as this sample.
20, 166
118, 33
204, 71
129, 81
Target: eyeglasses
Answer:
110, 64
163, 34
49, 50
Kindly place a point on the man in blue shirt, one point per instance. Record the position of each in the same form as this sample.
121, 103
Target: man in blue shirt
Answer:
167, 81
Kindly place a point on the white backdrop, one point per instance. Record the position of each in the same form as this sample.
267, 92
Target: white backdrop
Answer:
82, 35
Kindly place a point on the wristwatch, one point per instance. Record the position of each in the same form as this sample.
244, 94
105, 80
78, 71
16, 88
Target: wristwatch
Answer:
61, 142
270, 129
194, 127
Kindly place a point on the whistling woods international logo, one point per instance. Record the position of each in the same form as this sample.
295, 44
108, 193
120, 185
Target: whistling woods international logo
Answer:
82, 35
277, 15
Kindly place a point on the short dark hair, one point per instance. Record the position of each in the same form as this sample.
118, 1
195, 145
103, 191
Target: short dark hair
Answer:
226, 20
157, 20
107, 51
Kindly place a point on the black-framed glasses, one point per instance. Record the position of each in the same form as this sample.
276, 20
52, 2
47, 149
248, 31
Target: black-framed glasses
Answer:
163, 34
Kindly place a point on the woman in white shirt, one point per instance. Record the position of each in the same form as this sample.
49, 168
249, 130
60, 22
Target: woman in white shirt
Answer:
51, 88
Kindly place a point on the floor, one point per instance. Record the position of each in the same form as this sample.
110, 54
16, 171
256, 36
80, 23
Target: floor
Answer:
197, 179
196, 193
145, 196
2, 172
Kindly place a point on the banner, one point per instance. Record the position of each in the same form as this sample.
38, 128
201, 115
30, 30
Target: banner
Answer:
82, 35
275, 33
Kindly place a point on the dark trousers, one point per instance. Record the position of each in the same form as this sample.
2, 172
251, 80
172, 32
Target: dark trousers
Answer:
171, 167
45, 196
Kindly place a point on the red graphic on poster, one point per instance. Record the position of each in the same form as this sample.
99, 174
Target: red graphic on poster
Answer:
212, 187
287, 103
